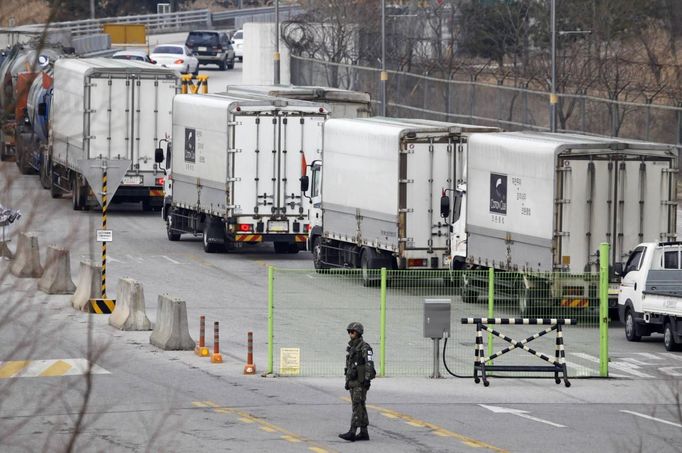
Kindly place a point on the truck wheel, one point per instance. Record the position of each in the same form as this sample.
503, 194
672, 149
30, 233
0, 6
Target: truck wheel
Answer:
44, 174
669, 338
78, 194
630, 328
3, 152
281, 247
210, 233
22, 163
173, 235
222, 65
317, 254
55, 192
368, 264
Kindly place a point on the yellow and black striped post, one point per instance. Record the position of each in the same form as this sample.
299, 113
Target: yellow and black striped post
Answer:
103, 305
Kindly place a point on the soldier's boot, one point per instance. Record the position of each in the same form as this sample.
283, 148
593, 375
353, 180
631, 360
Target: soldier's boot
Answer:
350, 435
364, 435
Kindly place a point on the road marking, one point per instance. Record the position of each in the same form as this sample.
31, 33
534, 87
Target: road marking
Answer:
169, 259
670, 355
669, 370
649, 355
635, 361
138, 259
520, 413
622, 366
111, 259
649, 417
47, 368
264, 426
435, 429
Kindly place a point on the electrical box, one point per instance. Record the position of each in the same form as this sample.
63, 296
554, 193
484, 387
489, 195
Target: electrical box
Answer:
436, 318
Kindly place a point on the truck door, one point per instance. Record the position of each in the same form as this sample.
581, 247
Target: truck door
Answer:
632, 283
110, 123
153, 117
429, 170
621, 200
300, 143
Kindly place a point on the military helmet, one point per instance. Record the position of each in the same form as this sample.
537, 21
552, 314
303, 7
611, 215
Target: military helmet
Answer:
356, 326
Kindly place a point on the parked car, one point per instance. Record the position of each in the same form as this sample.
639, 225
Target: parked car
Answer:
134, 55
238, 44
211, 47
176, 56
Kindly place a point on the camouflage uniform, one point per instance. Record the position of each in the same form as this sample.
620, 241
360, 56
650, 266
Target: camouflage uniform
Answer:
358, 379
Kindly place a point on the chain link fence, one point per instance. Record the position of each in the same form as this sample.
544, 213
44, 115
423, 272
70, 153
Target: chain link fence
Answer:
511, 108
311, 309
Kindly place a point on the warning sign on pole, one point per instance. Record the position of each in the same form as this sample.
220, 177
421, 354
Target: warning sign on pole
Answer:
105, 235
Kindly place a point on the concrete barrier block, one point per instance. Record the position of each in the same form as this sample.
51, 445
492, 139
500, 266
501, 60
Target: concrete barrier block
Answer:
5, 252
89, 286
27, 259
57, 276
171, 331
129, 313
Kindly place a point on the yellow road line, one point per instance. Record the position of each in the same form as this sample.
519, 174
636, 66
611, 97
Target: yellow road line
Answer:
435, 429
56, 369
263, 425
12, 368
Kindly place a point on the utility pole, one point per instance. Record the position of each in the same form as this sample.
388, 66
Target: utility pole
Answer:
276, 79
553, 98
92, 9
384, 74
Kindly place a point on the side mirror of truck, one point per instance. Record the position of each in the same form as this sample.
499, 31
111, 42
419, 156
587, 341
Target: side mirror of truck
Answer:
158, 155
42, 109
305, 183
445, 206
618, 269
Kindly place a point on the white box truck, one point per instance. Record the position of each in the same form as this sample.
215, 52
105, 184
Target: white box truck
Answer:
650, 297
113, 109
235, 165
540, 202
380, 191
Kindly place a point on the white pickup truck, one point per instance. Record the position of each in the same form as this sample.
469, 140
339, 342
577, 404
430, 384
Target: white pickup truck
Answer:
650, 298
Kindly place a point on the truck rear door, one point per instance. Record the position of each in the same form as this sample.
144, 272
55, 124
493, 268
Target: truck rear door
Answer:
620, 199
153, 120
110, 124
429, 170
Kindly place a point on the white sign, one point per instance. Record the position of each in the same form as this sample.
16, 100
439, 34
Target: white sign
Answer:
105, 235
289, 361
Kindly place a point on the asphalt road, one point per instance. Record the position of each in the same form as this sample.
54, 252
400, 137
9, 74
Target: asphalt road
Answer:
145, 399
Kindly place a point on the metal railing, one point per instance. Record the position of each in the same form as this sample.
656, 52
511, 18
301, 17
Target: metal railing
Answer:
512, 108
160, 22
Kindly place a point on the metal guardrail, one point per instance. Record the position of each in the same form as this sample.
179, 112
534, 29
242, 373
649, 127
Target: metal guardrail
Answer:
157, 22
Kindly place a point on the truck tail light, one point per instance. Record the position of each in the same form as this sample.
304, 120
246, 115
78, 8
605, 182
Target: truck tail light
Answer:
160, 181
416, 262
179, 61
245, 227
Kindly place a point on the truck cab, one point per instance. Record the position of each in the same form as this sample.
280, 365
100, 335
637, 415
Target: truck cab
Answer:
650, 295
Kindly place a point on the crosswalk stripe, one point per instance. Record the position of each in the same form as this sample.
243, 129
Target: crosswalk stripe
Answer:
621, 366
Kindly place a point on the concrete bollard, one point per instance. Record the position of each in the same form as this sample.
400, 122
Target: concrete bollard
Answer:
27, 259
5, 252
171, 331
57, 276
129, 313
89, 286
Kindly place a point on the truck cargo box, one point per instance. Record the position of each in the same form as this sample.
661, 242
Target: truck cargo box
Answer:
544, 202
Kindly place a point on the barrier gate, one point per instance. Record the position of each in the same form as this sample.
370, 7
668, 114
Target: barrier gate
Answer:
558, 364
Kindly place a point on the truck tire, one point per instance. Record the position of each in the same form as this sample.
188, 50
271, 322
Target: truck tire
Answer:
669, 338
78, 194
368, 264
22, 162
317, 254
210, 233
222, 65
630, 327
44, 173
173, 235
55, 192
4, 155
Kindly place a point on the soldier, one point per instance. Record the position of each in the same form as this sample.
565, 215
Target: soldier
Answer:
359, 372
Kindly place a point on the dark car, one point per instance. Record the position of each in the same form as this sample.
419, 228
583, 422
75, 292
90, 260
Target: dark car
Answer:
211, 47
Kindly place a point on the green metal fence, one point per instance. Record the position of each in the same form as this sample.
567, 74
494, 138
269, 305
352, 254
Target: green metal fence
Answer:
309, 312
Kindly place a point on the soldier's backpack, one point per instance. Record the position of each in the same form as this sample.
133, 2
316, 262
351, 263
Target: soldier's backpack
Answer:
370, 363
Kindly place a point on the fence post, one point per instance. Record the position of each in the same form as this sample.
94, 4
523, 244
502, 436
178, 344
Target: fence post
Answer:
271, 278
491, 306
604, 309
382, 325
